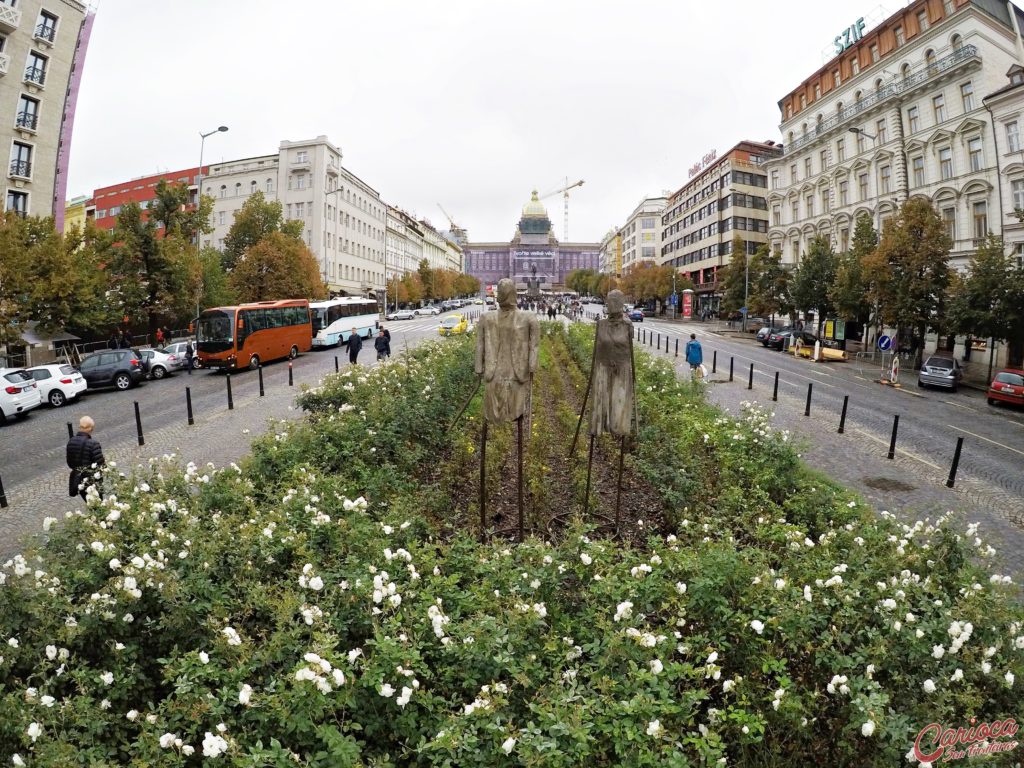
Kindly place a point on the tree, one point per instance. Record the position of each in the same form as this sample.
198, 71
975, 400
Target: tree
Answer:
988, 302
647, 281
769, 290
580, 280
412, 287
733, 277
849, 292
813, 278
908, 274
171, 210
277, 267
256, 220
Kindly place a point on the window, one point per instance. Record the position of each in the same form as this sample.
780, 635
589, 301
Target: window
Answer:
809, 202
929, 61
28, 113
980, 211
967, 94
899, 36
948, 7
922, 20
958, 42
949, 218
792, 173
252, 187
21, 159
860, 142
823, 157
974, 153
17, 202
807, 167
223, 190
862, 183
939, 105
238, 189
844, 192
775, 179
844, 239
35, 69
46, 26
881, 132
1012, 137
777, 213
855, 65
270, 185
1017, 188
884, 177
300, 181
817, 91
796, 210
300, 210
835, 78
914, 119
647, 224
803, 101
220, 218
874, 52
824, 201
841, 149
302, 156
917, 165
946, 163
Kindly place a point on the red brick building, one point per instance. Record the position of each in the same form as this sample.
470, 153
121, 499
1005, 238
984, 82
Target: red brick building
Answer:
107, 202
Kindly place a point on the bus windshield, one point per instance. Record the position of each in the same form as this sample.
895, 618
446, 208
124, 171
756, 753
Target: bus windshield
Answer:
215, 331
319, 319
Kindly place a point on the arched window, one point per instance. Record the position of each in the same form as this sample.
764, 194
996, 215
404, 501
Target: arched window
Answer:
958, 42
878, 85
839, 107
929, 60
856, 97
803, 129
270, 185
223, 190
818, 122
905, 71
252, 187
238, 189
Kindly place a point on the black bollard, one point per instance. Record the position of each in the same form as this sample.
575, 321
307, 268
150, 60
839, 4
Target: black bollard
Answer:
336, 366
807, 408
71, 431
775, 389
231, 400
949, 482
138, 424
650, 339
750, 381
892, 440
731, 360
3, 496
677, 348
714, 361
842, 416
260, 371
291, 380
188, 405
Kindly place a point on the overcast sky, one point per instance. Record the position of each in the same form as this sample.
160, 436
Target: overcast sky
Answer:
466, 103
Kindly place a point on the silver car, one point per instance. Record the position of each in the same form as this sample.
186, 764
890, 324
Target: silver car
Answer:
940, 371
177, 351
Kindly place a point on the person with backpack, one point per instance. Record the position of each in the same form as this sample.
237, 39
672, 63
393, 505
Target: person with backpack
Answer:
694, 356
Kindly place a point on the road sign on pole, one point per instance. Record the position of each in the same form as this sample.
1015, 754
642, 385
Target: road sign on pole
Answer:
884, 343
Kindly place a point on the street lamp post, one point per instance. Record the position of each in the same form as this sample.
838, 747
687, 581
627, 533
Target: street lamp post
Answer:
199, 206
746, 285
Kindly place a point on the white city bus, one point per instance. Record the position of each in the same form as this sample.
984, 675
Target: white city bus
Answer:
334, 319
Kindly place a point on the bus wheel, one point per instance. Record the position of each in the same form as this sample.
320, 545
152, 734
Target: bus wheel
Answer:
254, 362
293, 352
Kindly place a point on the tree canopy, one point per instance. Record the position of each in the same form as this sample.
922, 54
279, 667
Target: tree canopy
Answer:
814, 277
257, 219
277, 267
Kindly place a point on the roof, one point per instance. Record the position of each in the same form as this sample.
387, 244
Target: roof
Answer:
33, 336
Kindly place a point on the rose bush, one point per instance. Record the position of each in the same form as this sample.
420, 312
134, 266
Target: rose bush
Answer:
306, 609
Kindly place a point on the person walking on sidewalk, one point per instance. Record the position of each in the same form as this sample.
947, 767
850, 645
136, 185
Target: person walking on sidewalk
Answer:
84, 456
694, 356
190, 353
354, 343
381, 345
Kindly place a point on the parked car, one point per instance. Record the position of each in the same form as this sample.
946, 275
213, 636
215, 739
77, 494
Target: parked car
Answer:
19, 393
119, 368
940, 371
429, 310
755, 324
160, 363
781, 339
636, 315
400, 314
58, 383
452, 325
1007, 387
177, 351
765, 332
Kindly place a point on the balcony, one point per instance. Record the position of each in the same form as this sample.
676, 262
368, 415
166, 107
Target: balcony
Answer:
5, 63
27, 121
35, 75
46, 33
10, 17
21, 169
931, 71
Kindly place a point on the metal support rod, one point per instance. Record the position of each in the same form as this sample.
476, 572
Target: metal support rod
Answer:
618, 484
731, 360
842, 416
138, 424
892, 440
714, 361
231, 400
259, 370
949, 481
519, 459
586, 493
71, 431
750, 379
188, 405
775, 389
483, 483
677, 347
337, 367
3, 496
807, 408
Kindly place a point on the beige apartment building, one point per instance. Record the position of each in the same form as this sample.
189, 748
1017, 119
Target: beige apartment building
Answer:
42, 51
641, 234
344, 219
611, 252
725, 197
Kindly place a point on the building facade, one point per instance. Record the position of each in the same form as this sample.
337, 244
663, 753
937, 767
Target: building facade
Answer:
344, 220
1006, 106
42, 52
611, 252
534, 252
725, 197
106, 202
403, 243
898, 113
641, 234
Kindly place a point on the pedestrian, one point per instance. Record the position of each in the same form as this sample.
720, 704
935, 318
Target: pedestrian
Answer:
381, 345
190, 353
387, 335
694, 356
84, 456
159, 336
114, 342
125, 341
354, 342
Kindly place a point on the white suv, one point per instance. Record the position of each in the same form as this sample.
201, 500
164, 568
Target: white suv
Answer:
19, 393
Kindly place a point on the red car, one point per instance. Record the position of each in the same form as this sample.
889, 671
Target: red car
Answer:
1007, 387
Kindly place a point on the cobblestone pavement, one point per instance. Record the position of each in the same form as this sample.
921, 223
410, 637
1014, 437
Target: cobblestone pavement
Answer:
32, 464
989, 485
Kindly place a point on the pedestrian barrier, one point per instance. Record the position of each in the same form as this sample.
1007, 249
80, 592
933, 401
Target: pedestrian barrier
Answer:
260, 370
3, 496
949, 481
807, 408
138, 424
750, 381
231, 401
892, 440
71, 431
188, 405
842, 417
291, 380
775, 389
730, 368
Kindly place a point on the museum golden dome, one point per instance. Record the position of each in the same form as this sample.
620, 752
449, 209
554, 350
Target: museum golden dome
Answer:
535, 208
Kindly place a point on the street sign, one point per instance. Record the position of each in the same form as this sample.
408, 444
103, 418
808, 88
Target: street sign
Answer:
673, 299
743, 310
884, 343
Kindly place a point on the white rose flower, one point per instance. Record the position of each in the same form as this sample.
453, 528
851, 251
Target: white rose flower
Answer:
929, 686
35, 730
167, 740
316, 583
757, 626
245, 695
1009, 679
213, 746
656, 666
509, 744
387, 691
654, 728
868, 728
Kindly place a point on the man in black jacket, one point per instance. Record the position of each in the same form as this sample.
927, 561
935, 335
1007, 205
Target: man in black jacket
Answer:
84, 457
354, 344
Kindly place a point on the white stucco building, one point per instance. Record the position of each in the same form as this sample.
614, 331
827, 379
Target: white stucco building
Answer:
641, 234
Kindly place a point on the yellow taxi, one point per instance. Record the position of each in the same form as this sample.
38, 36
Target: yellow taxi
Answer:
452, 325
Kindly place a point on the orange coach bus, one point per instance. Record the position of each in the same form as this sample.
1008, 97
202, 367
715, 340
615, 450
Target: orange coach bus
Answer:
250, 334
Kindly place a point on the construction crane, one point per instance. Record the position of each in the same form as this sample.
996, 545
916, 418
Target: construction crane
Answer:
564, 191
456, 230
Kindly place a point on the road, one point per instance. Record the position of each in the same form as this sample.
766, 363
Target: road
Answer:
32, 465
